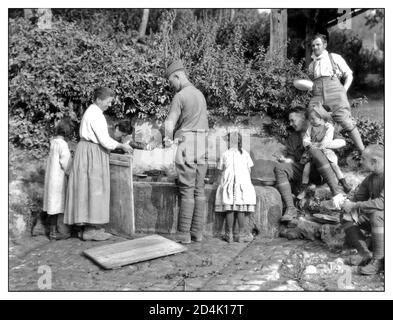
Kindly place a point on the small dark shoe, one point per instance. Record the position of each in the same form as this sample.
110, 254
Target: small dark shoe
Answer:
289, 215
58, 236
372, 268
198, 237
346, 186
359, 260
228, 237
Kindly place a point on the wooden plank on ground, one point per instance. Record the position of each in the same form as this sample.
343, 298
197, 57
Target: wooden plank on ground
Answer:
113, 256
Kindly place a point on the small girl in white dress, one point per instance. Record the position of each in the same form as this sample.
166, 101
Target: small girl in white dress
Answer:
235, 194
57, 167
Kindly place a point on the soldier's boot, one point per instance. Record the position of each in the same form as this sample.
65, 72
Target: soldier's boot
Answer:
185, 220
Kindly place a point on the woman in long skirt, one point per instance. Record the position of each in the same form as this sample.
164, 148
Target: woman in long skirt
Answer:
87, 201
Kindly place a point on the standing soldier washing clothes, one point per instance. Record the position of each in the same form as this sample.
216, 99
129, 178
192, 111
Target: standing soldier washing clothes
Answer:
187, 122
326, 71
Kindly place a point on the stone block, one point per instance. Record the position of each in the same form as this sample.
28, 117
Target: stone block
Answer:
310, 230
156, 210
266, 219
333, 236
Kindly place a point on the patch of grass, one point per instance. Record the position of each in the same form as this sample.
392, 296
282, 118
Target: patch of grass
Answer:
373, 110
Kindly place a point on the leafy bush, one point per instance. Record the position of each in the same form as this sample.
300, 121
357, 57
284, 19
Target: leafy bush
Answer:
52, 74
234, 85
109, 22
362, 61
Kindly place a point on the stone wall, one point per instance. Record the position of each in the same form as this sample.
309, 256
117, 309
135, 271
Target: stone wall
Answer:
156, 210
26, 189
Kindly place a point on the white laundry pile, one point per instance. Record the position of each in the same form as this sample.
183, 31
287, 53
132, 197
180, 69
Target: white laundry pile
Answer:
156, 159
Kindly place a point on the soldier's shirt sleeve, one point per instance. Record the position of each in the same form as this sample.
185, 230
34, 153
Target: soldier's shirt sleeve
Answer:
377, 203
342, 64
173, 116
363, 201
363, 193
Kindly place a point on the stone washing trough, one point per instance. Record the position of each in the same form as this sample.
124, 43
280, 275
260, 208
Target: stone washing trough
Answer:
151, 204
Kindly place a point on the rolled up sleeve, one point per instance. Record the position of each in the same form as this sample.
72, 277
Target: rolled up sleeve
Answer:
173, 116
342, 65
371, 205
100, 129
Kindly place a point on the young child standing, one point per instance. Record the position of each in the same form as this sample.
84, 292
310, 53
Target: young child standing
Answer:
235, 194
57, 167
320, 134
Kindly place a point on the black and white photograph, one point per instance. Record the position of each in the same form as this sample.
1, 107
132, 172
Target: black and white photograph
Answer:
221, 149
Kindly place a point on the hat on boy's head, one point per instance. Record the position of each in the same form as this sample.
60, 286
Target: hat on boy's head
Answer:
174, 66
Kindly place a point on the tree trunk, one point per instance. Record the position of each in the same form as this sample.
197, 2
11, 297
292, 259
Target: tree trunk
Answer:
278, 32
310, 31
232, 14
143, 25
220, 15
44, 19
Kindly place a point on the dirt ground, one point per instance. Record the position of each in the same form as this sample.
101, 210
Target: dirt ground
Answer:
213, 265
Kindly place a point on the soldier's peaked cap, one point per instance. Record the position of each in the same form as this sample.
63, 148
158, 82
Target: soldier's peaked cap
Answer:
174, 66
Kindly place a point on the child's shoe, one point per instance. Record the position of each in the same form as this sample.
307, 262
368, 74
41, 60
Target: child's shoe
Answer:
346, 186
374, 267
228, 237
55, 235
59, 236
243, 237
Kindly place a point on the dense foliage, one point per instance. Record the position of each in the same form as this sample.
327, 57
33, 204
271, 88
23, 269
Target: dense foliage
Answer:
371, 131
52, 73
363, 61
